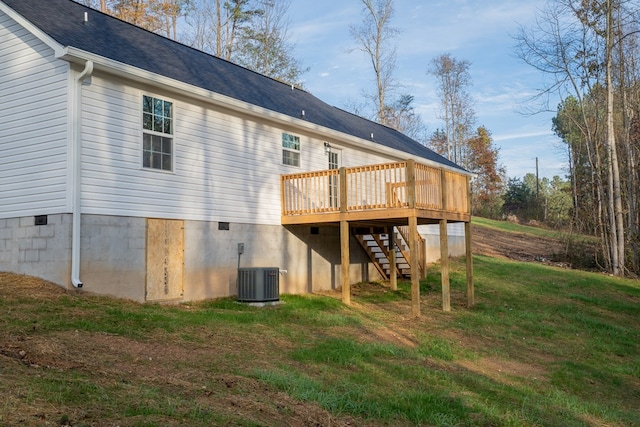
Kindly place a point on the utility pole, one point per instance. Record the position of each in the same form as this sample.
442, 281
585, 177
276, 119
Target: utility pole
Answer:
538, 194
537, 181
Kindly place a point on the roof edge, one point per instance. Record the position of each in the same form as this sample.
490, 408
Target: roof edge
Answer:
75, 55
101, 63
37, 32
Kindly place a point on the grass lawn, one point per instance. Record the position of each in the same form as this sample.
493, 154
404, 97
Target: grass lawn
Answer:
513, 227
543, 347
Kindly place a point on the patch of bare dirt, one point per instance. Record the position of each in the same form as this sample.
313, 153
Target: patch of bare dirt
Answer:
203, 371
115, 362
199, 375
14, 286
518, 246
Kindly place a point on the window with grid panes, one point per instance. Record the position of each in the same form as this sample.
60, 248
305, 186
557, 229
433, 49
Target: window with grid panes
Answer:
157, 134
290, 150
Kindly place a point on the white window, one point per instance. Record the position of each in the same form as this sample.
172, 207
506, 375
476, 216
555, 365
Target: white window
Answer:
157, 133
290, 150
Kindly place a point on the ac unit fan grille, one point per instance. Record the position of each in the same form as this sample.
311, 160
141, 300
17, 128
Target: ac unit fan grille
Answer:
258, 284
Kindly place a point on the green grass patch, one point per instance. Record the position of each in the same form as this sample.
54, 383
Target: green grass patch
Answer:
513, 227
543, 346
345, 352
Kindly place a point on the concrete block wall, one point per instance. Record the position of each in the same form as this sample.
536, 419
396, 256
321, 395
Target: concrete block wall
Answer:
38, 250
311, 261
113, 256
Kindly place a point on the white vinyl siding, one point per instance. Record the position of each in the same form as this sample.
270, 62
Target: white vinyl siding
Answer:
33, 125
227, 166
220, 171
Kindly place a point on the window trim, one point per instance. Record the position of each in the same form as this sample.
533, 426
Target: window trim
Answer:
170, 136
286, 149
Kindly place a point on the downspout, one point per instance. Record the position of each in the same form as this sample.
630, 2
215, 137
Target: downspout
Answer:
83, 78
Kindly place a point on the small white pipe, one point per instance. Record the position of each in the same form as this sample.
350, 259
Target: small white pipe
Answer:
77, 170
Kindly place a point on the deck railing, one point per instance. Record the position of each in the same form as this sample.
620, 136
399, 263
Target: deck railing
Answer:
383, 186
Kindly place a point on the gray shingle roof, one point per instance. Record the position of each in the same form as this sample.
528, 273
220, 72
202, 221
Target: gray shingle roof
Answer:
117, 40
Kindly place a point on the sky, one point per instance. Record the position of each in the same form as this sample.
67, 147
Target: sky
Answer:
478, 31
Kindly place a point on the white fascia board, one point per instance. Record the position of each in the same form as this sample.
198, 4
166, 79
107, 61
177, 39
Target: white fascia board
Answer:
129, 72
41, 35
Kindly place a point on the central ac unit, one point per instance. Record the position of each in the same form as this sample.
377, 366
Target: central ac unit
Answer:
258, 284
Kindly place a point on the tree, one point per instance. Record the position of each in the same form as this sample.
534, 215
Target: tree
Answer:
546, 200
557, 193
438, 142
264, 45
95, 4
488, 185
201, 32
216, 25
613, 177
138, 12
252, 33
374, 37
562, 48
158, 16
402, 116
518, 198
168, 12
588, 48
456, 106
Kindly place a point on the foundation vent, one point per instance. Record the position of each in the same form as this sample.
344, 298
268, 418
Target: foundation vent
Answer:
258, 284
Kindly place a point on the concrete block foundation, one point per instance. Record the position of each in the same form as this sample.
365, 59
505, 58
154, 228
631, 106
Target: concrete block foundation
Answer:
39, 250
113, 255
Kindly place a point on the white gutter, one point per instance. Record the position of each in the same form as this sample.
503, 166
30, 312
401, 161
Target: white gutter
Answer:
72, 54
76, 155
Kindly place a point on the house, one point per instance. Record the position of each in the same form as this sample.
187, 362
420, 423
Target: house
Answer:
135, 166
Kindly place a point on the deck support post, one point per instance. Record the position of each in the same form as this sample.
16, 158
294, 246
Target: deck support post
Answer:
423, 258
393, 267
444, 266
381, 195
415, 268
344, 240
344, 262
469, 256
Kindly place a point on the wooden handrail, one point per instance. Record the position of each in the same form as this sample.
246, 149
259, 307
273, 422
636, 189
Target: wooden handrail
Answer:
404, 234
380, 186
310, 192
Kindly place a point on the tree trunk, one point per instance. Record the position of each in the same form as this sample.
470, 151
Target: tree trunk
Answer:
218, 30
615, 196
628, 152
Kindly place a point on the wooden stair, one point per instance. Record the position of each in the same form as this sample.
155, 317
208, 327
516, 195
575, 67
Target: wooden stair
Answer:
375, 242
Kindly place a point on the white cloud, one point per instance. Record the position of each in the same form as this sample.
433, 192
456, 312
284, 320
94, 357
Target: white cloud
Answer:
513, 136
469, 29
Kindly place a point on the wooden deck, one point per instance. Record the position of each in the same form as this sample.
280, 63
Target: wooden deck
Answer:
388, 195
376, 194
